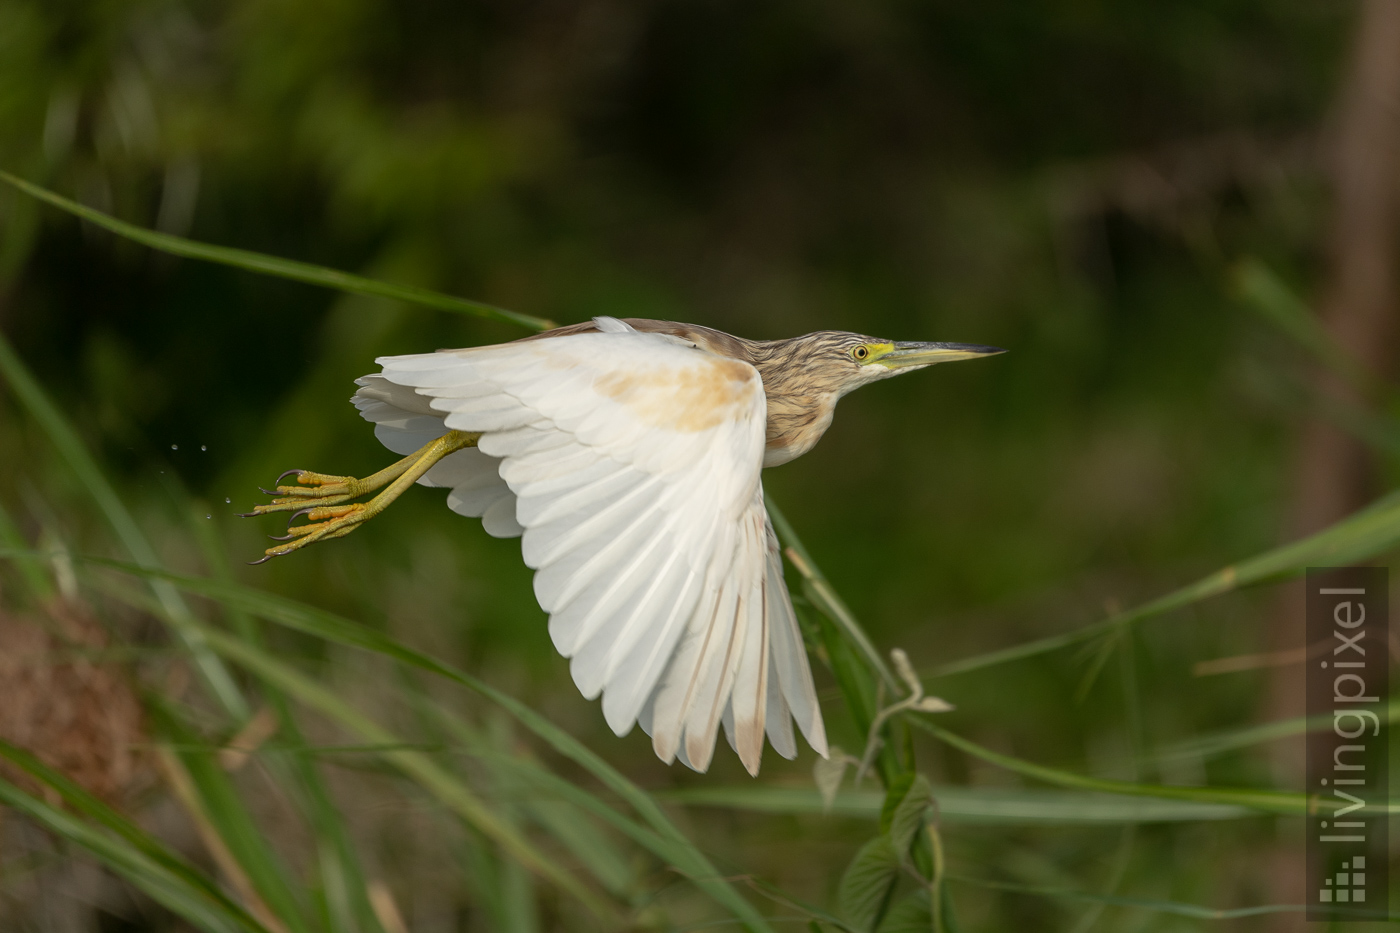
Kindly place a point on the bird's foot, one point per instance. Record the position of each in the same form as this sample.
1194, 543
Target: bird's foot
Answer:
325, 498
320, 488
323, 522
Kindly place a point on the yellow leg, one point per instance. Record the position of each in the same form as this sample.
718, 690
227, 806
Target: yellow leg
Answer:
319, 496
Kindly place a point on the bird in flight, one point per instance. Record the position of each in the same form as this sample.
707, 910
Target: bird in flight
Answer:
626, 454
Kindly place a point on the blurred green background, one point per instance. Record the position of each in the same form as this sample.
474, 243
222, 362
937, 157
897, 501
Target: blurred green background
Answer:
1071, 180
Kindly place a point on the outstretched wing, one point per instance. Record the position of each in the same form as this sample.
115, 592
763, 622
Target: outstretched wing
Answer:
633, 463
403, 422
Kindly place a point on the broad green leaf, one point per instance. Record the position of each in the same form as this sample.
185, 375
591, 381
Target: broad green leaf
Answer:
910, 816
909, 914
894, 796
275, 266
1363, 535
866, 886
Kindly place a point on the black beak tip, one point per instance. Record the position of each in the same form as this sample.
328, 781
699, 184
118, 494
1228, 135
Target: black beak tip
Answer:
980, 349
972, 349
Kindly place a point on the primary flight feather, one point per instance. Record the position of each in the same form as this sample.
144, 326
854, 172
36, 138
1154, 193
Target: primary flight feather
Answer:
626, 455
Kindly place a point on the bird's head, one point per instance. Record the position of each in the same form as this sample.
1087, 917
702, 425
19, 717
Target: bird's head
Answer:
847, 361
804, 378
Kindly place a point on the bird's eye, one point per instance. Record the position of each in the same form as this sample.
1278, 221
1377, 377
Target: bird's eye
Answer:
861, 352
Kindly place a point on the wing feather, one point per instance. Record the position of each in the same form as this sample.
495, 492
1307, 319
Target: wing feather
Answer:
630, 463
794, 675
748, 698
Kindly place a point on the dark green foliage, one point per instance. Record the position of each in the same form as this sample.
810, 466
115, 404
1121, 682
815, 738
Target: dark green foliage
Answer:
978, 172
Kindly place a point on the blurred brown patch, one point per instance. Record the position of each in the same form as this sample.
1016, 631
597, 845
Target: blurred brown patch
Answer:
62, 701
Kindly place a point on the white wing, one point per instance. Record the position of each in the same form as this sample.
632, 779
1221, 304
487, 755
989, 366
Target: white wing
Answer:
403, 422
632, 463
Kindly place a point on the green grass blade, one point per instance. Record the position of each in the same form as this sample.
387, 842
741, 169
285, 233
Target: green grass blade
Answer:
1217, 743
339, 866
1363, 535
343, 878
859, 669
538, 784
36, 581
550, 788
593, 849
519, 908
975, 805
61, 434
548, 809
321, 624
1178, 908
216, 559
229, 816
830, 602
275, 266
1263, 801
85, 804
817, 918
452, 793
500, 887
174, 890
1273, 300
482, 875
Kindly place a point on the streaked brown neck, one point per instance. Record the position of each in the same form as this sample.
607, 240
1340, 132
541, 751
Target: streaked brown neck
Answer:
798, 412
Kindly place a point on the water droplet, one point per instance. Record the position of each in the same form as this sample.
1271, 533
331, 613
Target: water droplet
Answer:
174, 446
227, 500
208, 516
203, 446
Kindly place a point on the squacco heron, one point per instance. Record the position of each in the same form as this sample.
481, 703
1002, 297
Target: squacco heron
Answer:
626, 455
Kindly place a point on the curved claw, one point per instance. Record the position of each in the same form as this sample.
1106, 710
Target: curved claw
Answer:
281, 537
285, 473
261, 560
246, 514
268, 492
293, 517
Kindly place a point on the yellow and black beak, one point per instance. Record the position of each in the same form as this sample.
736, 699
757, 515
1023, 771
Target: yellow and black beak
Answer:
906, 354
